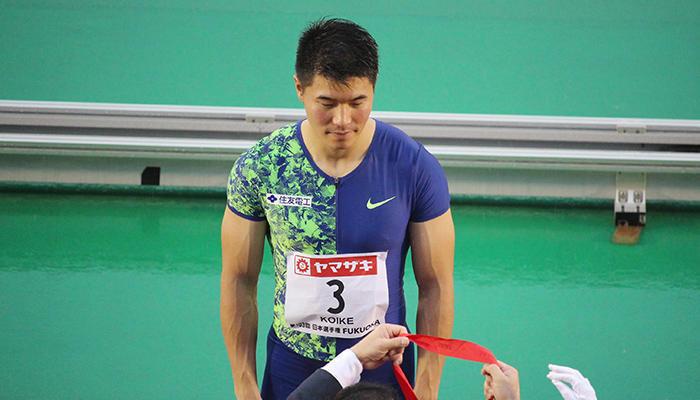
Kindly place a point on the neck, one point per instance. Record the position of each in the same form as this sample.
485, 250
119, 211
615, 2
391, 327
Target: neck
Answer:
337, 162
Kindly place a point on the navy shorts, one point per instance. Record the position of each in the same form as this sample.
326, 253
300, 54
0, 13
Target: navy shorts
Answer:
285, 370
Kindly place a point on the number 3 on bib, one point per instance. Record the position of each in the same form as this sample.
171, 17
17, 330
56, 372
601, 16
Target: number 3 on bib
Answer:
336, 294
348, 305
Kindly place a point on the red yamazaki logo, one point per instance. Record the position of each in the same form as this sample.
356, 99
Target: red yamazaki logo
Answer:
324, 267
302, 265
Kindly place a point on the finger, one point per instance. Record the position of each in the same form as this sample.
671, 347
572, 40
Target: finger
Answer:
395, 330
399, 342
566, 392
564, 377
488, 391
374, 334
493, 370
566, 370
507, 369
397, 358
488, 382
396, 350
395, 353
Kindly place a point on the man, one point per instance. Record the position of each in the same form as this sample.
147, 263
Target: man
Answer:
341, 197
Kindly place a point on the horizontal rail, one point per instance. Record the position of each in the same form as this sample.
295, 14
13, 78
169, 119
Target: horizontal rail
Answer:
484, 156
434, 126
459, 140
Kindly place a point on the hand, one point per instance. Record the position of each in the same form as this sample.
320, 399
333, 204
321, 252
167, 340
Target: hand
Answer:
570, 383
501, 382
249, 391
381, 345
425, 393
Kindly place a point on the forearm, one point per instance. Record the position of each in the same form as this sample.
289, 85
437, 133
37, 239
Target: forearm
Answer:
435, 317
239, 323
242, 243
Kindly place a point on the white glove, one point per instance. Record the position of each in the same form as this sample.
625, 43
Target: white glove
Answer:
578, 388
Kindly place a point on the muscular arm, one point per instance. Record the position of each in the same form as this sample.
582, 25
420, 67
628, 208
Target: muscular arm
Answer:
432, 249
242, 244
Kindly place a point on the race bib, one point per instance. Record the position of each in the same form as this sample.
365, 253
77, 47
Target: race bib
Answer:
343, 295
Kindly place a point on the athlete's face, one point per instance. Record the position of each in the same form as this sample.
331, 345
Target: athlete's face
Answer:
337, 113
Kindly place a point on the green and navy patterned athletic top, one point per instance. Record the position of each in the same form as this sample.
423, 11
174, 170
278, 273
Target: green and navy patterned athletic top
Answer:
313, 213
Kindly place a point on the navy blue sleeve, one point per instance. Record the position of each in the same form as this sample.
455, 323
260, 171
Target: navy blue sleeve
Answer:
318, 386
431, 194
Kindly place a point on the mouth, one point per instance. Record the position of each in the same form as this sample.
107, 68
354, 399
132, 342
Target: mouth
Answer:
340, 133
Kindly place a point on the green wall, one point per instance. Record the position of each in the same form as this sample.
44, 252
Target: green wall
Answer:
620, 58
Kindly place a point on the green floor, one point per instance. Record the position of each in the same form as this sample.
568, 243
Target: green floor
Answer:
106, 297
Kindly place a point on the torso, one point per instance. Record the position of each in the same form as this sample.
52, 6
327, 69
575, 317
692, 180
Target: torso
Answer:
367, 210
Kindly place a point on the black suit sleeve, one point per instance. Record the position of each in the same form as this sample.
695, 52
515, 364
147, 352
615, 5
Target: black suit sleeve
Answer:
319, 386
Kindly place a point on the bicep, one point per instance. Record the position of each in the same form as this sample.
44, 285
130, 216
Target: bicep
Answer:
242, 243
432, 249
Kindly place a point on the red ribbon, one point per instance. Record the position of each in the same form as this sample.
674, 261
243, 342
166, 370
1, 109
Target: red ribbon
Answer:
447, 347
405, 385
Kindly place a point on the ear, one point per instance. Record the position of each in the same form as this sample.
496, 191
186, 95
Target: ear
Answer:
298, 87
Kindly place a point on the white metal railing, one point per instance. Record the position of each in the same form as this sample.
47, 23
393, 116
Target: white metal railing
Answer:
499, 141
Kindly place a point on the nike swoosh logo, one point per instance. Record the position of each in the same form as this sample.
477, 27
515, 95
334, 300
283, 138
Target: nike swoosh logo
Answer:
372, 206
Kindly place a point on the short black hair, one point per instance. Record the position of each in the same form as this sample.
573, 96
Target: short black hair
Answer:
337, 49
367, 391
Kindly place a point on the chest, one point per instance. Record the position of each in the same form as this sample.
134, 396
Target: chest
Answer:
366, 211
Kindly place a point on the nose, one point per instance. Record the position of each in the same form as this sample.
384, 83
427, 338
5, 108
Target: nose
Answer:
341, 116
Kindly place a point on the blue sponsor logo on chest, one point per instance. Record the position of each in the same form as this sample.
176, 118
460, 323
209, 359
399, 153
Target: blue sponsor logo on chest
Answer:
287, 200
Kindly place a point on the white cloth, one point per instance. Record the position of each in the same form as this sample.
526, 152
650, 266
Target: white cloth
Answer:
345, 368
